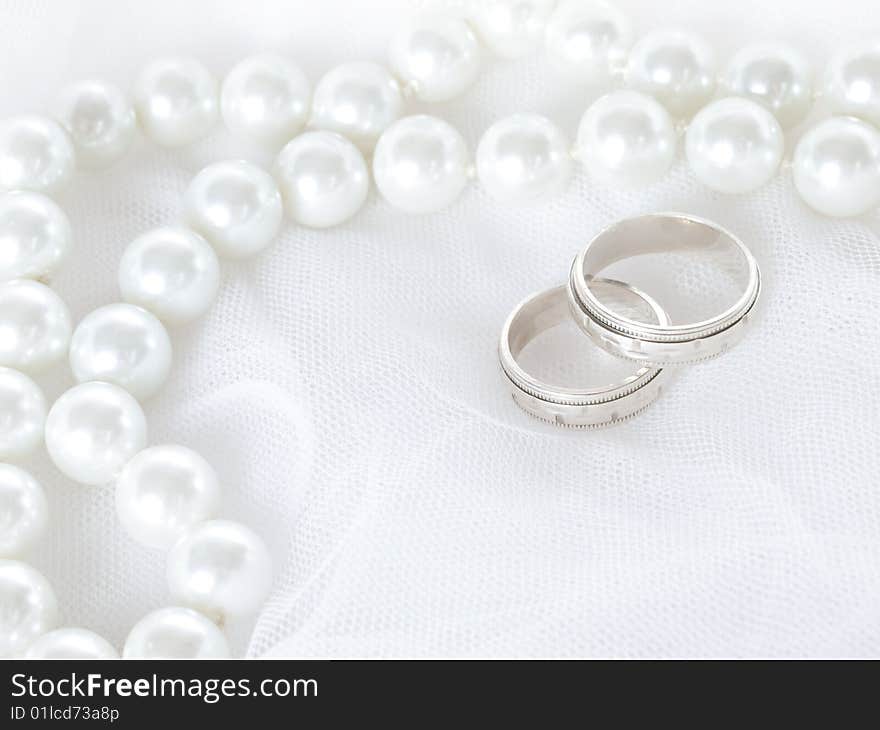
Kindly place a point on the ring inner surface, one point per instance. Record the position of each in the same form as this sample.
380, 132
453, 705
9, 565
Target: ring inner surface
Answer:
549, 348
696, 271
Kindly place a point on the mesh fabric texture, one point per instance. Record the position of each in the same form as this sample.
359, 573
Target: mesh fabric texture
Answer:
345, 384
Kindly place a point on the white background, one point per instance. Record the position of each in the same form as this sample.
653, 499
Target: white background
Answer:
346, 387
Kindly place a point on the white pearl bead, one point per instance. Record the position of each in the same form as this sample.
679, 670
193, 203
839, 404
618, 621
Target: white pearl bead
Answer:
438, 56
358, 100
35, 154
265, 98
421, 164
852, 82
93, 430
734, 145
100, 121
34, 326
71, 643
626, 139
220, 568
774, 75
837, 167
163, 491
176, 101
24, 512
35, 236
586, 40
175, 633
28, 607
172, 272
22, 414
523, 157
512, 28
236, 206
675, 67
124, 345
323, 179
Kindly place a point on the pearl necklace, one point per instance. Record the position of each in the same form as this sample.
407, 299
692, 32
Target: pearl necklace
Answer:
168, 496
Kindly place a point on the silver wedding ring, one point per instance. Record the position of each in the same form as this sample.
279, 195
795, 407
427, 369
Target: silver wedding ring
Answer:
660, 344
565, 406
603, 308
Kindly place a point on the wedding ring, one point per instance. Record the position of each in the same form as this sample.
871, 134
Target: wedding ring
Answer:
660, 344
575, 407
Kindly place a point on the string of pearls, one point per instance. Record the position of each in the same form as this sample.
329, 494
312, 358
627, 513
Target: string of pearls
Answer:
168, 496
96, 433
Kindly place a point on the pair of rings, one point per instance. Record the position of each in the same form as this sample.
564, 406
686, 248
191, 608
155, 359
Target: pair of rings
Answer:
601, 309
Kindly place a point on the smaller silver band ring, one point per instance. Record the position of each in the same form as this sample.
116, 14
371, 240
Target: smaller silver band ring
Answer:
575, 407
659, 344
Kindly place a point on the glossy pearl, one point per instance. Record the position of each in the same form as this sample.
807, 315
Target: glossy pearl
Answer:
35, 154
512, 28
24, 512
22, 415
124, 345
236, 206
357, 100
28, 607
175, 633
626, 139
93, 430
586, 40
35, 236
734, 145
323, 179
852, 82
421, 164
176, 100
776, 76
837, 167
220, 568
172, 272
100, 120
265, 98
71, 643
523, 157
34, 326
437, 56
675, 67
163, 491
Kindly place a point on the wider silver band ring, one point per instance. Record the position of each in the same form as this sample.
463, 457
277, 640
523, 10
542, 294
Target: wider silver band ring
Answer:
659, 344
575, 407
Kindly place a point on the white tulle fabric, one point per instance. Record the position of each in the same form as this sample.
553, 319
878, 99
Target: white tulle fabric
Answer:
345, 384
